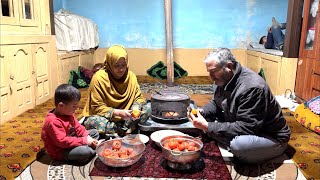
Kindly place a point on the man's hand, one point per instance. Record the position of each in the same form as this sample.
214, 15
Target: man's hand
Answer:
199, 121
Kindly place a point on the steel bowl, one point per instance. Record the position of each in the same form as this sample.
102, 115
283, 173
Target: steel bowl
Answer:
181, 157
138, 149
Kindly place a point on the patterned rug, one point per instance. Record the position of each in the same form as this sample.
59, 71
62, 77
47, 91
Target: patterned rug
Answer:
277, 169
20, 149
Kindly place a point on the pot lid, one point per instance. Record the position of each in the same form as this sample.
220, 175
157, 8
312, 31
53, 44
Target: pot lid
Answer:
170, 96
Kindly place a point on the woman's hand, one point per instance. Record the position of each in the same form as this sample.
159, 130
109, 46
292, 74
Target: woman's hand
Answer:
199, 122
124, 114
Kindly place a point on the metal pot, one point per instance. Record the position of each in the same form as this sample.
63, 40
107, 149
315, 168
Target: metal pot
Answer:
181, 157
138, 148
165, 102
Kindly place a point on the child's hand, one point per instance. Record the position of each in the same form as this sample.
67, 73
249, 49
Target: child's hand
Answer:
92, 142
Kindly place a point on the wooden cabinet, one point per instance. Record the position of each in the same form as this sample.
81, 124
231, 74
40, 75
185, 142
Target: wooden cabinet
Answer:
308, 72
280, 72
25, 17
28, 56
26, 77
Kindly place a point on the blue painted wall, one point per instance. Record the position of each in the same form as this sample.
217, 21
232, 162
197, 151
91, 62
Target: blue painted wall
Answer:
196, 23
57, 5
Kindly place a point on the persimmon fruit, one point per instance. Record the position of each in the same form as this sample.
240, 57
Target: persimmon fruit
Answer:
194, 112
116, 145
135, 113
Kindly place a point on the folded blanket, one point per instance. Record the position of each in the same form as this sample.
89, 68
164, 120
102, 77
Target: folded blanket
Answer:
159, 70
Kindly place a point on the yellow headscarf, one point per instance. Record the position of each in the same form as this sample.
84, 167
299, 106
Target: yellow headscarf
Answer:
106, 92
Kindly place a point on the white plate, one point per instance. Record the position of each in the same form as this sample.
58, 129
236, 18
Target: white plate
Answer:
158, 135
143, 138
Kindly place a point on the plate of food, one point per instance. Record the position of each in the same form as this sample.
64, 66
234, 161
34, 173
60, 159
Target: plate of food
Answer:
158, 135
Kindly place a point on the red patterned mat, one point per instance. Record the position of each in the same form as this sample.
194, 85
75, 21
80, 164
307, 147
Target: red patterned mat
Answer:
152, 164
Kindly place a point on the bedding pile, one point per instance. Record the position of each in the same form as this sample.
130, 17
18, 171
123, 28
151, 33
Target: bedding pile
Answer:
254, 46
74, 32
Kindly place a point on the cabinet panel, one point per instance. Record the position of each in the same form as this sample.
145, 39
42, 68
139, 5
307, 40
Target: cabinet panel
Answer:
316, 82
5, 87
272, 73
280, 72
315, 85
41, 62
86, 60
9, 12
71, 61
253, 62
316, 67
29, 13
68, 64
21, 67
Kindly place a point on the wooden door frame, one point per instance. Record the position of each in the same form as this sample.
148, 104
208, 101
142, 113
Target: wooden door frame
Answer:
53, 32
293, 29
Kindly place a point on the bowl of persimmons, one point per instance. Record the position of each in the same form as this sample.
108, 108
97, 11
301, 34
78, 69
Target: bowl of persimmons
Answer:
181, 149
119, 152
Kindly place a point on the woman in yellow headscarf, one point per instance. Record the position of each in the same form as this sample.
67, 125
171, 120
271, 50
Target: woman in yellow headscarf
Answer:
113, 93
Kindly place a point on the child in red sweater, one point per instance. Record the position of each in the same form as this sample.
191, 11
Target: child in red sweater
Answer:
65, 139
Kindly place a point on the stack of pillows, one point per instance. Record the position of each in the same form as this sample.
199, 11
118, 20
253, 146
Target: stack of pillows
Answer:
308, 114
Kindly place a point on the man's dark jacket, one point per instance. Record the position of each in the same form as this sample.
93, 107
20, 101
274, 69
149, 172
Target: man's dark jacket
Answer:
245, 106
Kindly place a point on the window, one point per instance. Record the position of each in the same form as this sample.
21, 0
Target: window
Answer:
27, 9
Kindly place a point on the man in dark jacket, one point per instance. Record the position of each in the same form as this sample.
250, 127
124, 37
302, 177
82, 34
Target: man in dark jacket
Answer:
243, 114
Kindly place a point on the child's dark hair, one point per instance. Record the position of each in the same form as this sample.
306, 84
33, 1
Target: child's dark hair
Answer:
66, 93
261, 40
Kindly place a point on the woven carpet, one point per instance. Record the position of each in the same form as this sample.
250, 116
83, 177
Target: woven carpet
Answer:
210, 166
21, 145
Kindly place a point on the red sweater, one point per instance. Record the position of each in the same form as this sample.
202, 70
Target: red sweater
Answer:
61, 132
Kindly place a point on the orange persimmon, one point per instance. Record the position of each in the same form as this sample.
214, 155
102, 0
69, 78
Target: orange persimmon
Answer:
194, 112
135, 113
173, 144
106, 152
116, 145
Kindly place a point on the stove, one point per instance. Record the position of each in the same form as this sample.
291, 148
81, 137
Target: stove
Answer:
169, 111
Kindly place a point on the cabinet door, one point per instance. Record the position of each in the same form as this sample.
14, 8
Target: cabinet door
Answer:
303, 79
41, 64
253, 61
23, 81
316, 79
272, 72
5, 86
307, 79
